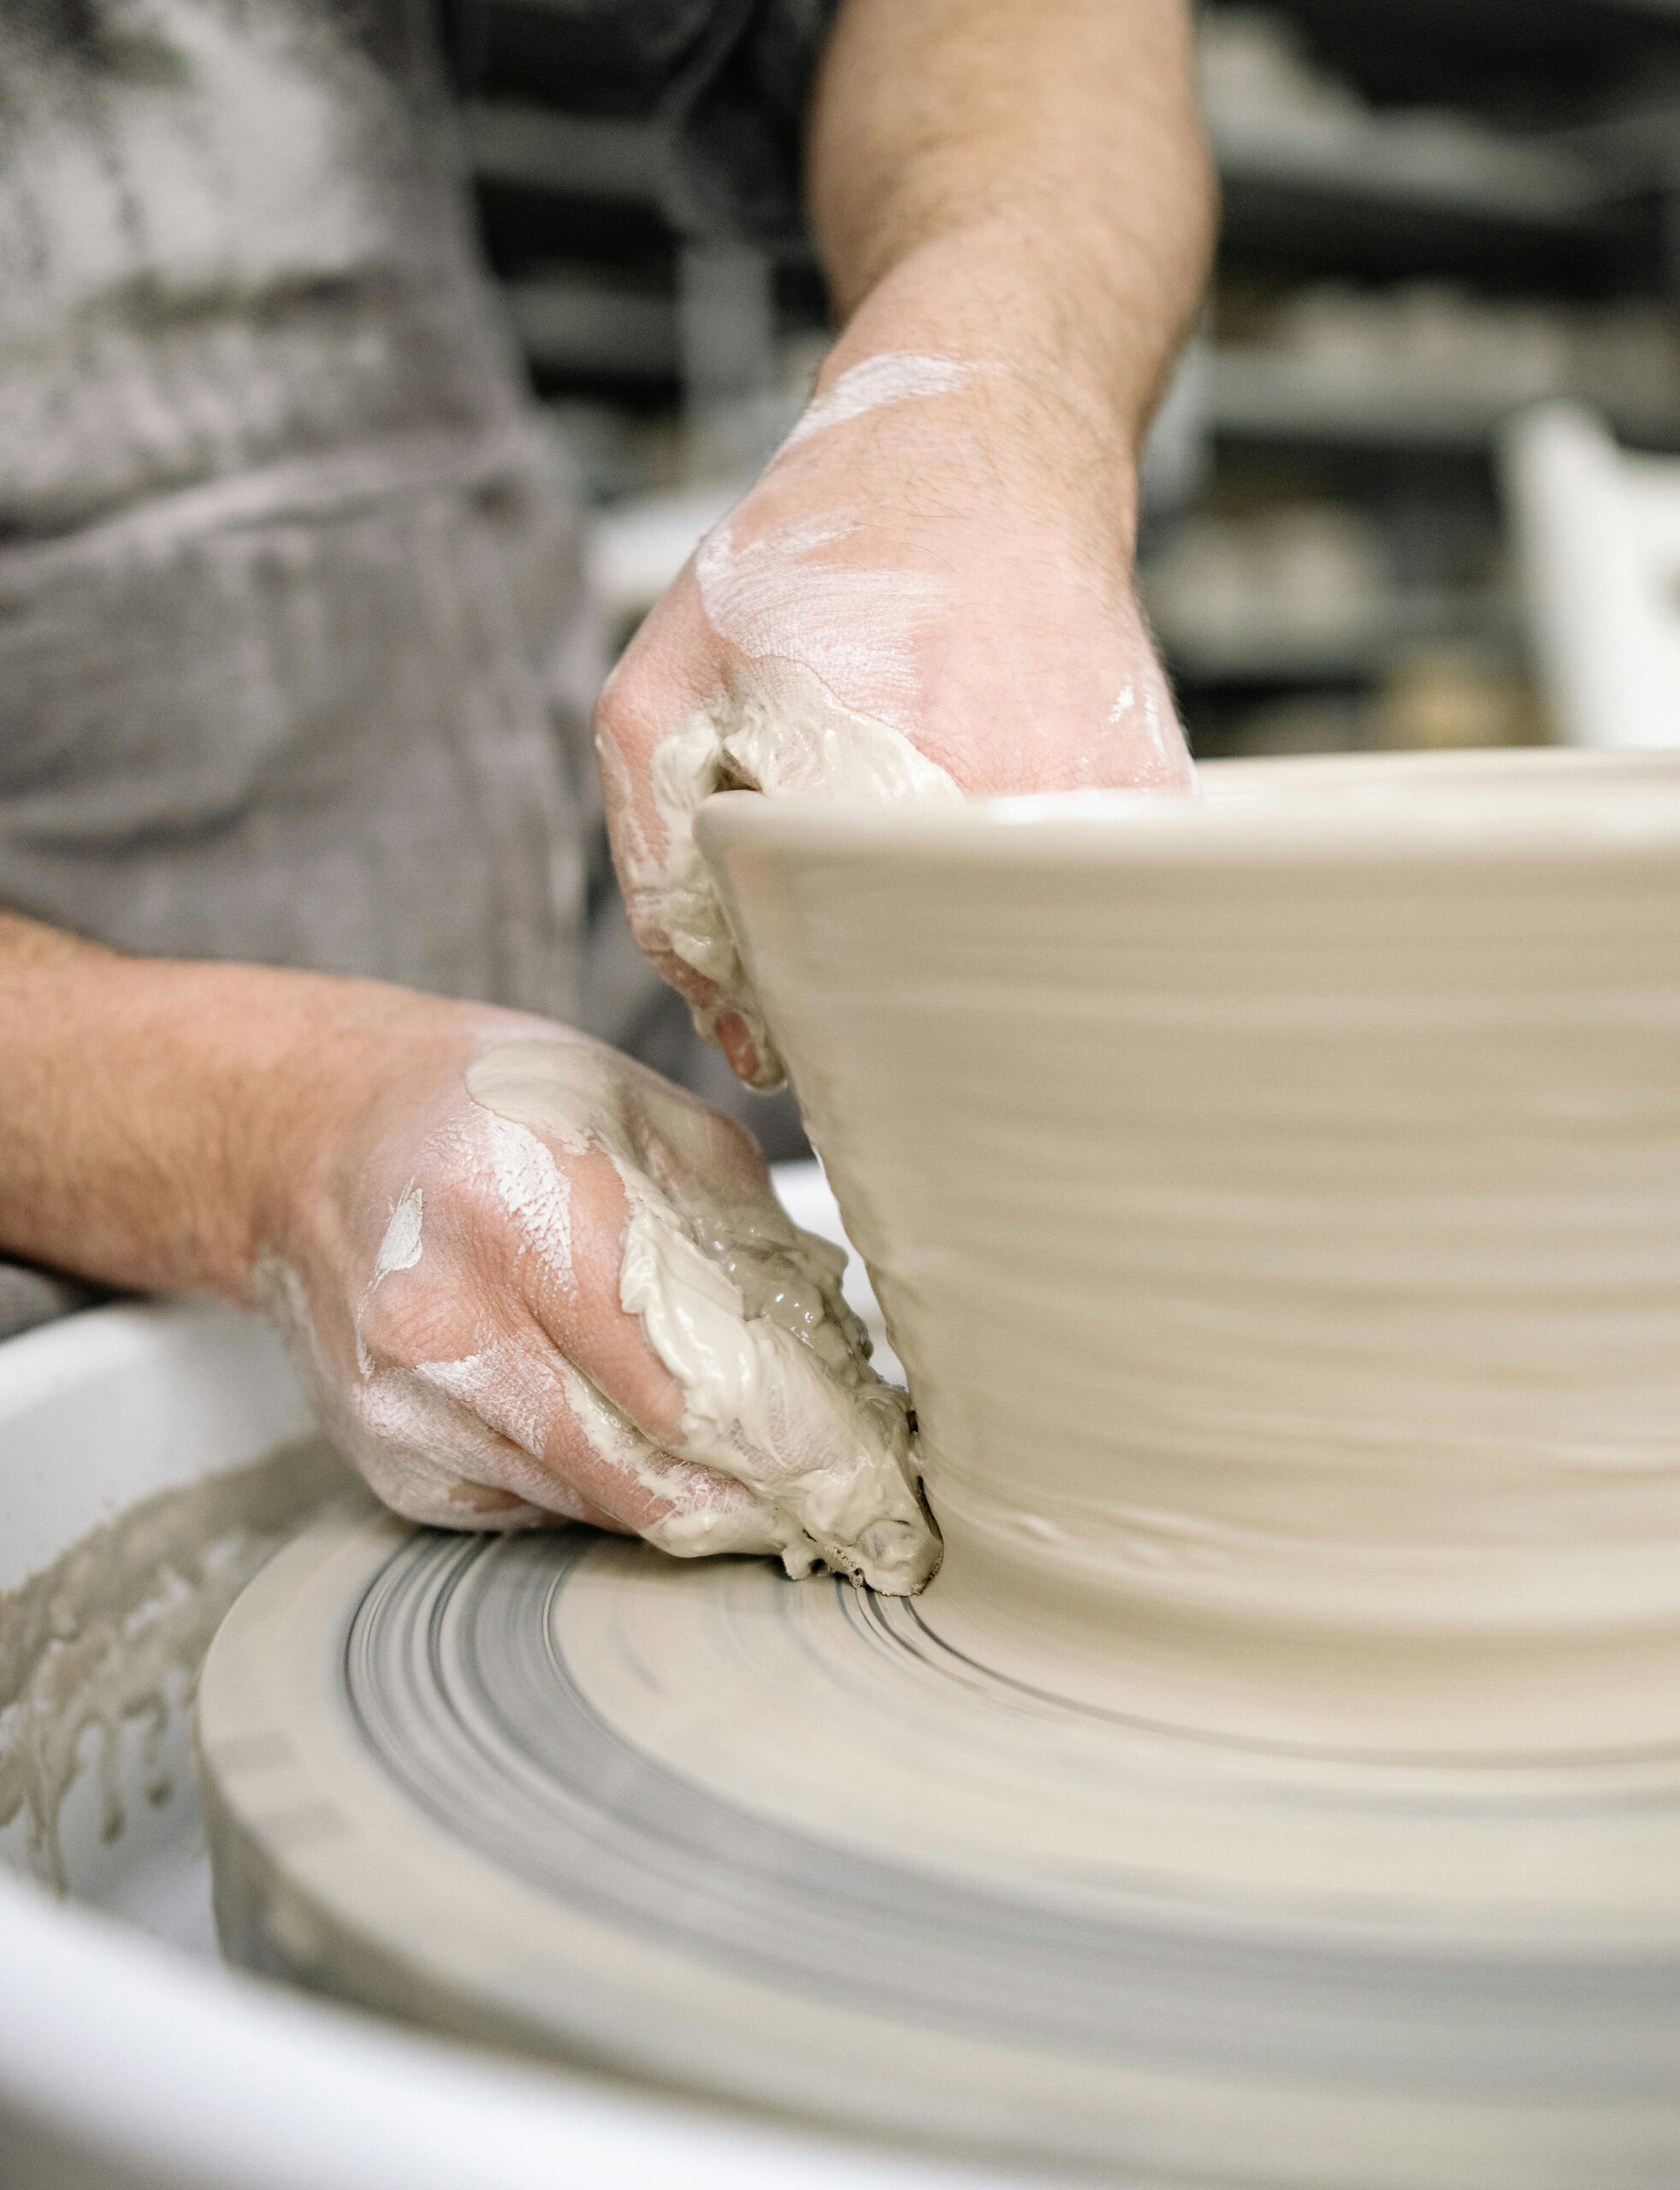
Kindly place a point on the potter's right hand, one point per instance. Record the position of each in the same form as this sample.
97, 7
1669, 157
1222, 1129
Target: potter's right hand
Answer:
524, 1277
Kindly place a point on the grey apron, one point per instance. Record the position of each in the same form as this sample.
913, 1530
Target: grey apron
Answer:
294, 651
295, 655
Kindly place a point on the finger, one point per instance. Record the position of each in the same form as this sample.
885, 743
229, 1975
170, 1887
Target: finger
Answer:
777, 1395
579, 1306
564, 1447
706, 1330
647, 716
528, 1222
638, 1160
742, 1042
433, 1461
721, 1014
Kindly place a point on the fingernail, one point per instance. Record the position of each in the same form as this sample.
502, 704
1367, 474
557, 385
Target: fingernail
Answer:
898, 1558
735, 1038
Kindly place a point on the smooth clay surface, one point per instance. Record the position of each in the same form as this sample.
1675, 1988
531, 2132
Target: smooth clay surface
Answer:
1275, 1199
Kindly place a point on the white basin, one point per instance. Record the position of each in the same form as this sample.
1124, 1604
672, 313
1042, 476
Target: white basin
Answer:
128, 2055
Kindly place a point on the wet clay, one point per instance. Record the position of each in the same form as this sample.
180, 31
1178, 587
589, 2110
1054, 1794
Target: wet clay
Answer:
745, 1311
104, 1637
1274, 1200
777, 729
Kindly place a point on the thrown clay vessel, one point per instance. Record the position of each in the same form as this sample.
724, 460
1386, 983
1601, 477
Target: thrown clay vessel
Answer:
1274, 1197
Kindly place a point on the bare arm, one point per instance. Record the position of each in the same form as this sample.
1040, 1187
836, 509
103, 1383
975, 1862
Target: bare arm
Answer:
1027, 178
930, 590
436, 1201
134, 1095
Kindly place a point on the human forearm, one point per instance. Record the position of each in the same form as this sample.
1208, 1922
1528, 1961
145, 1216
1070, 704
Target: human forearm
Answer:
147, 1106
1020, 180
438, 1203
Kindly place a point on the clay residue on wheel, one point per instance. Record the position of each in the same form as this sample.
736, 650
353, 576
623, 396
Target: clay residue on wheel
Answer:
98, 1639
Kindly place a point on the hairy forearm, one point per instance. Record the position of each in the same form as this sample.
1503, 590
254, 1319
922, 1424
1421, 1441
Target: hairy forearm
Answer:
1023, 179
147, 1105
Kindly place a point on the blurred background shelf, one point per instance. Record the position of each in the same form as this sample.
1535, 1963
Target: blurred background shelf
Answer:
1361, 647
575, 326
531, 147
1429, 167
1263, 395
1436, 214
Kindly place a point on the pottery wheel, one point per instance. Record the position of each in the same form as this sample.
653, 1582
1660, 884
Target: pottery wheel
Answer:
780, 1842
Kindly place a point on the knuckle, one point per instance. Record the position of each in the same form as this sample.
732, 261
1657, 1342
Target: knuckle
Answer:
630, 701
403, 1324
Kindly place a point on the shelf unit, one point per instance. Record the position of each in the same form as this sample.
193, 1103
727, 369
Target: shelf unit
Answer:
1513, 149
1357, 648
1282, 396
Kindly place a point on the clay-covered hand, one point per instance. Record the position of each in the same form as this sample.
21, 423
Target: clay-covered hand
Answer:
525, 1278
927, 593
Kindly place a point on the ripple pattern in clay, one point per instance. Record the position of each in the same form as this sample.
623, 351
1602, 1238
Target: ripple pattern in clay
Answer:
1273, 1198
553, 1790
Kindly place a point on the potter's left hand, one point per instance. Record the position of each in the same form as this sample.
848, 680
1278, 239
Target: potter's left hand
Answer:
929, 592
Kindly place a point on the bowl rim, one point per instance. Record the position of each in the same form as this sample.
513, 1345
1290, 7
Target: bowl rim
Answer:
1479, 806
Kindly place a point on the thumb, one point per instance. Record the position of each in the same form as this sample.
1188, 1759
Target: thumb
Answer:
822, 1444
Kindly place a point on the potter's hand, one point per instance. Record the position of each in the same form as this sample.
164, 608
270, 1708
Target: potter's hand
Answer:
524, 1277
928, 593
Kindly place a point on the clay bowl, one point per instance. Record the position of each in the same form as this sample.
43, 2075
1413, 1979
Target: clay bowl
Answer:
1275, 1199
